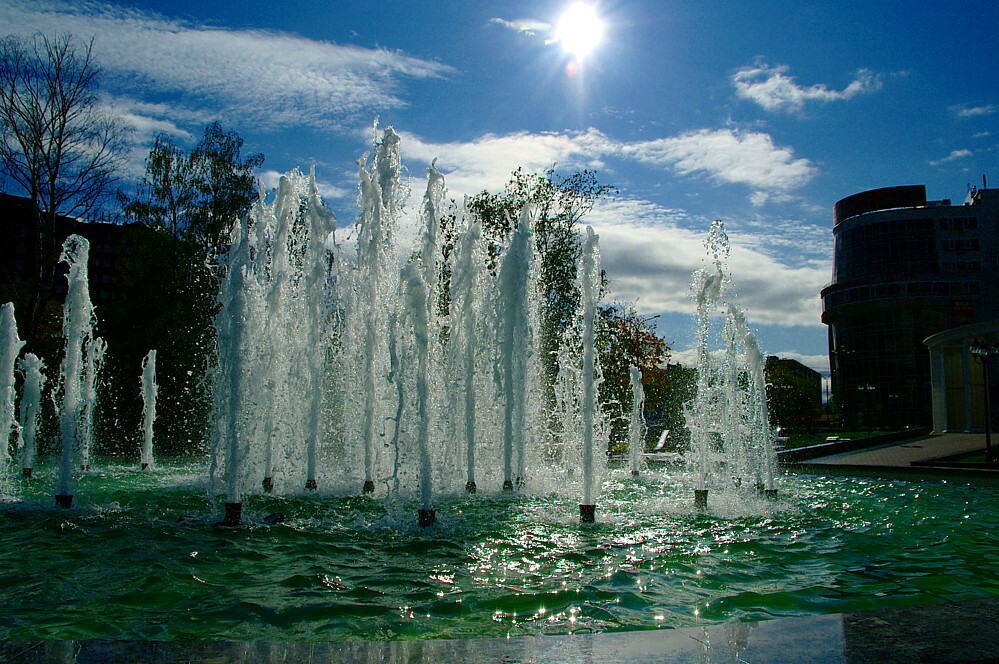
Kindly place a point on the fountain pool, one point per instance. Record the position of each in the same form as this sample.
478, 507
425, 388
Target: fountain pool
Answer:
136, 558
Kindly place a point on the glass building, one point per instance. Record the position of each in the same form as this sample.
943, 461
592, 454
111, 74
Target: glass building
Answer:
904, 269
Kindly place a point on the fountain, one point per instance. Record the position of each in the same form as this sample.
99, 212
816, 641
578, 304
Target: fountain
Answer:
636, 425
381, 348
589, 277
78, 368
93, 361
731, 438
10, 347
354, 387
149, 390
462, 349
31, 407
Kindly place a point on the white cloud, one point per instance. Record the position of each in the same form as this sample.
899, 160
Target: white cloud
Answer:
726, 155
487, 162
955, 155
649, 258
528, 26
819, 363
264, 79
774, 90
975, 111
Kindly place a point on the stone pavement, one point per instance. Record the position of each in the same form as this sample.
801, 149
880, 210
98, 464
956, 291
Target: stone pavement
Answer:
920, 457
966, 632
903, 454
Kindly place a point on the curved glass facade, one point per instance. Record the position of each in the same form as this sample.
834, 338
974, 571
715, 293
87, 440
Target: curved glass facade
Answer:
903, 270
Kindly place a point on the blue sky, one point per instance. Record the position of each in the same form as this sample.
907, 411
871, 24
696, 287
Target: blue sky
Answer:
761, 114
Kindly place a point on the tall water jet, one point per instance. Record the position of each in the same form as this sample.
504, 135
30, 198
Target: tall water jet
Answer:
464, 316
321, 223
416, 311
636, 426
78, 326
513, 309
30, 409
149, 392
728, 417
10, 348
93, 362
275, 371
701, 416
758, 413
589, 276
379, 202
231, 448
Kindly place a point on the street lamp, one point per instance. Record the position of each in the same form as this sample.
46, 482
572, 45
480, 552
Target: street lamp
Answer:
983, 350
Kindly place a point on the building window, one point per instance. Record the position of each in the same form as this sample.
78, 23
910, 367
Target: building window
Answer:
886, 247
959, 246
959, 224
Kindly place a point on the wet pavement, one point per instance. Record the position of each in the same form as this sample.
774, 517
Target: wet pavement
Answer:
966, 632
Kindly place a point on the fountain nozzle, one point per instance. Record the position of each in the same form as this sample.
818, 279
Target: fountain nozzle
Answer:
426, 518
64, 501
233, 515
587, 513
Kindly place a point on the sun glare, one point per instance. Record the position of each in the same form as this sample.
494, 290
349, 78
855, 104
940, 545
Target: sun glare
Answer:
579, 30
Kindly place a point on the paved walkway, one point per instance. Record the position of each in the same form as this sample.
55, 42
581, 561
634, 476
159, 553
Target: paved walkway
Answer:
962, 632
901, 455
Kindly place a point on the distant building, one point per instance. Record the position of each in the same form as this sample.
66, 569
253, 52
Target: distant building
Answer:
806, 382
904, 269
110, 245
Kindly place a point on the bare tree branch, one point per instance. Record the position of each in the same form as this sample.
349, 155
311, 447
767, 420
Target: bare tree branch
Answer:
58, 145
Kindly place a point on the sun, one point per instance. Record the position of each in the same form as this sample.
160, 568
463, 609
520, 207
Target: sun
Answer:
579, 30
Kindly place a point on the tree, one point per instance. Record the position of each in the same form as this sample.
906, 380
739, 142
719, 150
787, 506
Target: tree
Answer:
559, 203
196, 196
225, 183
626, 339
58, 144
185, 203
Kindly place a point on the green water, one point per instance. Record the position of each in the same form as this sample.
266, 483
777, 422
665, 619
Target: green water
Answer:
139, 558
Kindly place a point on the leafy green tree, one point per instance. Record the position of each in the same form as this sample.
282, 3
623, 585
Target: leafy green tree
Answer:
184, 204
559, 203
626, 339
225, 183
196, 196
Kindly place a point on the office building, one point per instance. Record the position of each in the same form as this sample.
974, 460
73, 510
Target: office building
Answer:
904, 269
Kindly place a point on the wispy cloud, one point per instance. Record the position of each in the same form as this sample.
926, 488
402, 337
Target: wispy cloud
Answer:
265, 80
955, 155
724, 155
974, 111
528, 26
774, 90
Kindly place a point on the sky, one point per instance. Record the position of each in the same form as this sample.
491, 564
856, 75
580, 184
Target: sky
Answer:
760, 114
